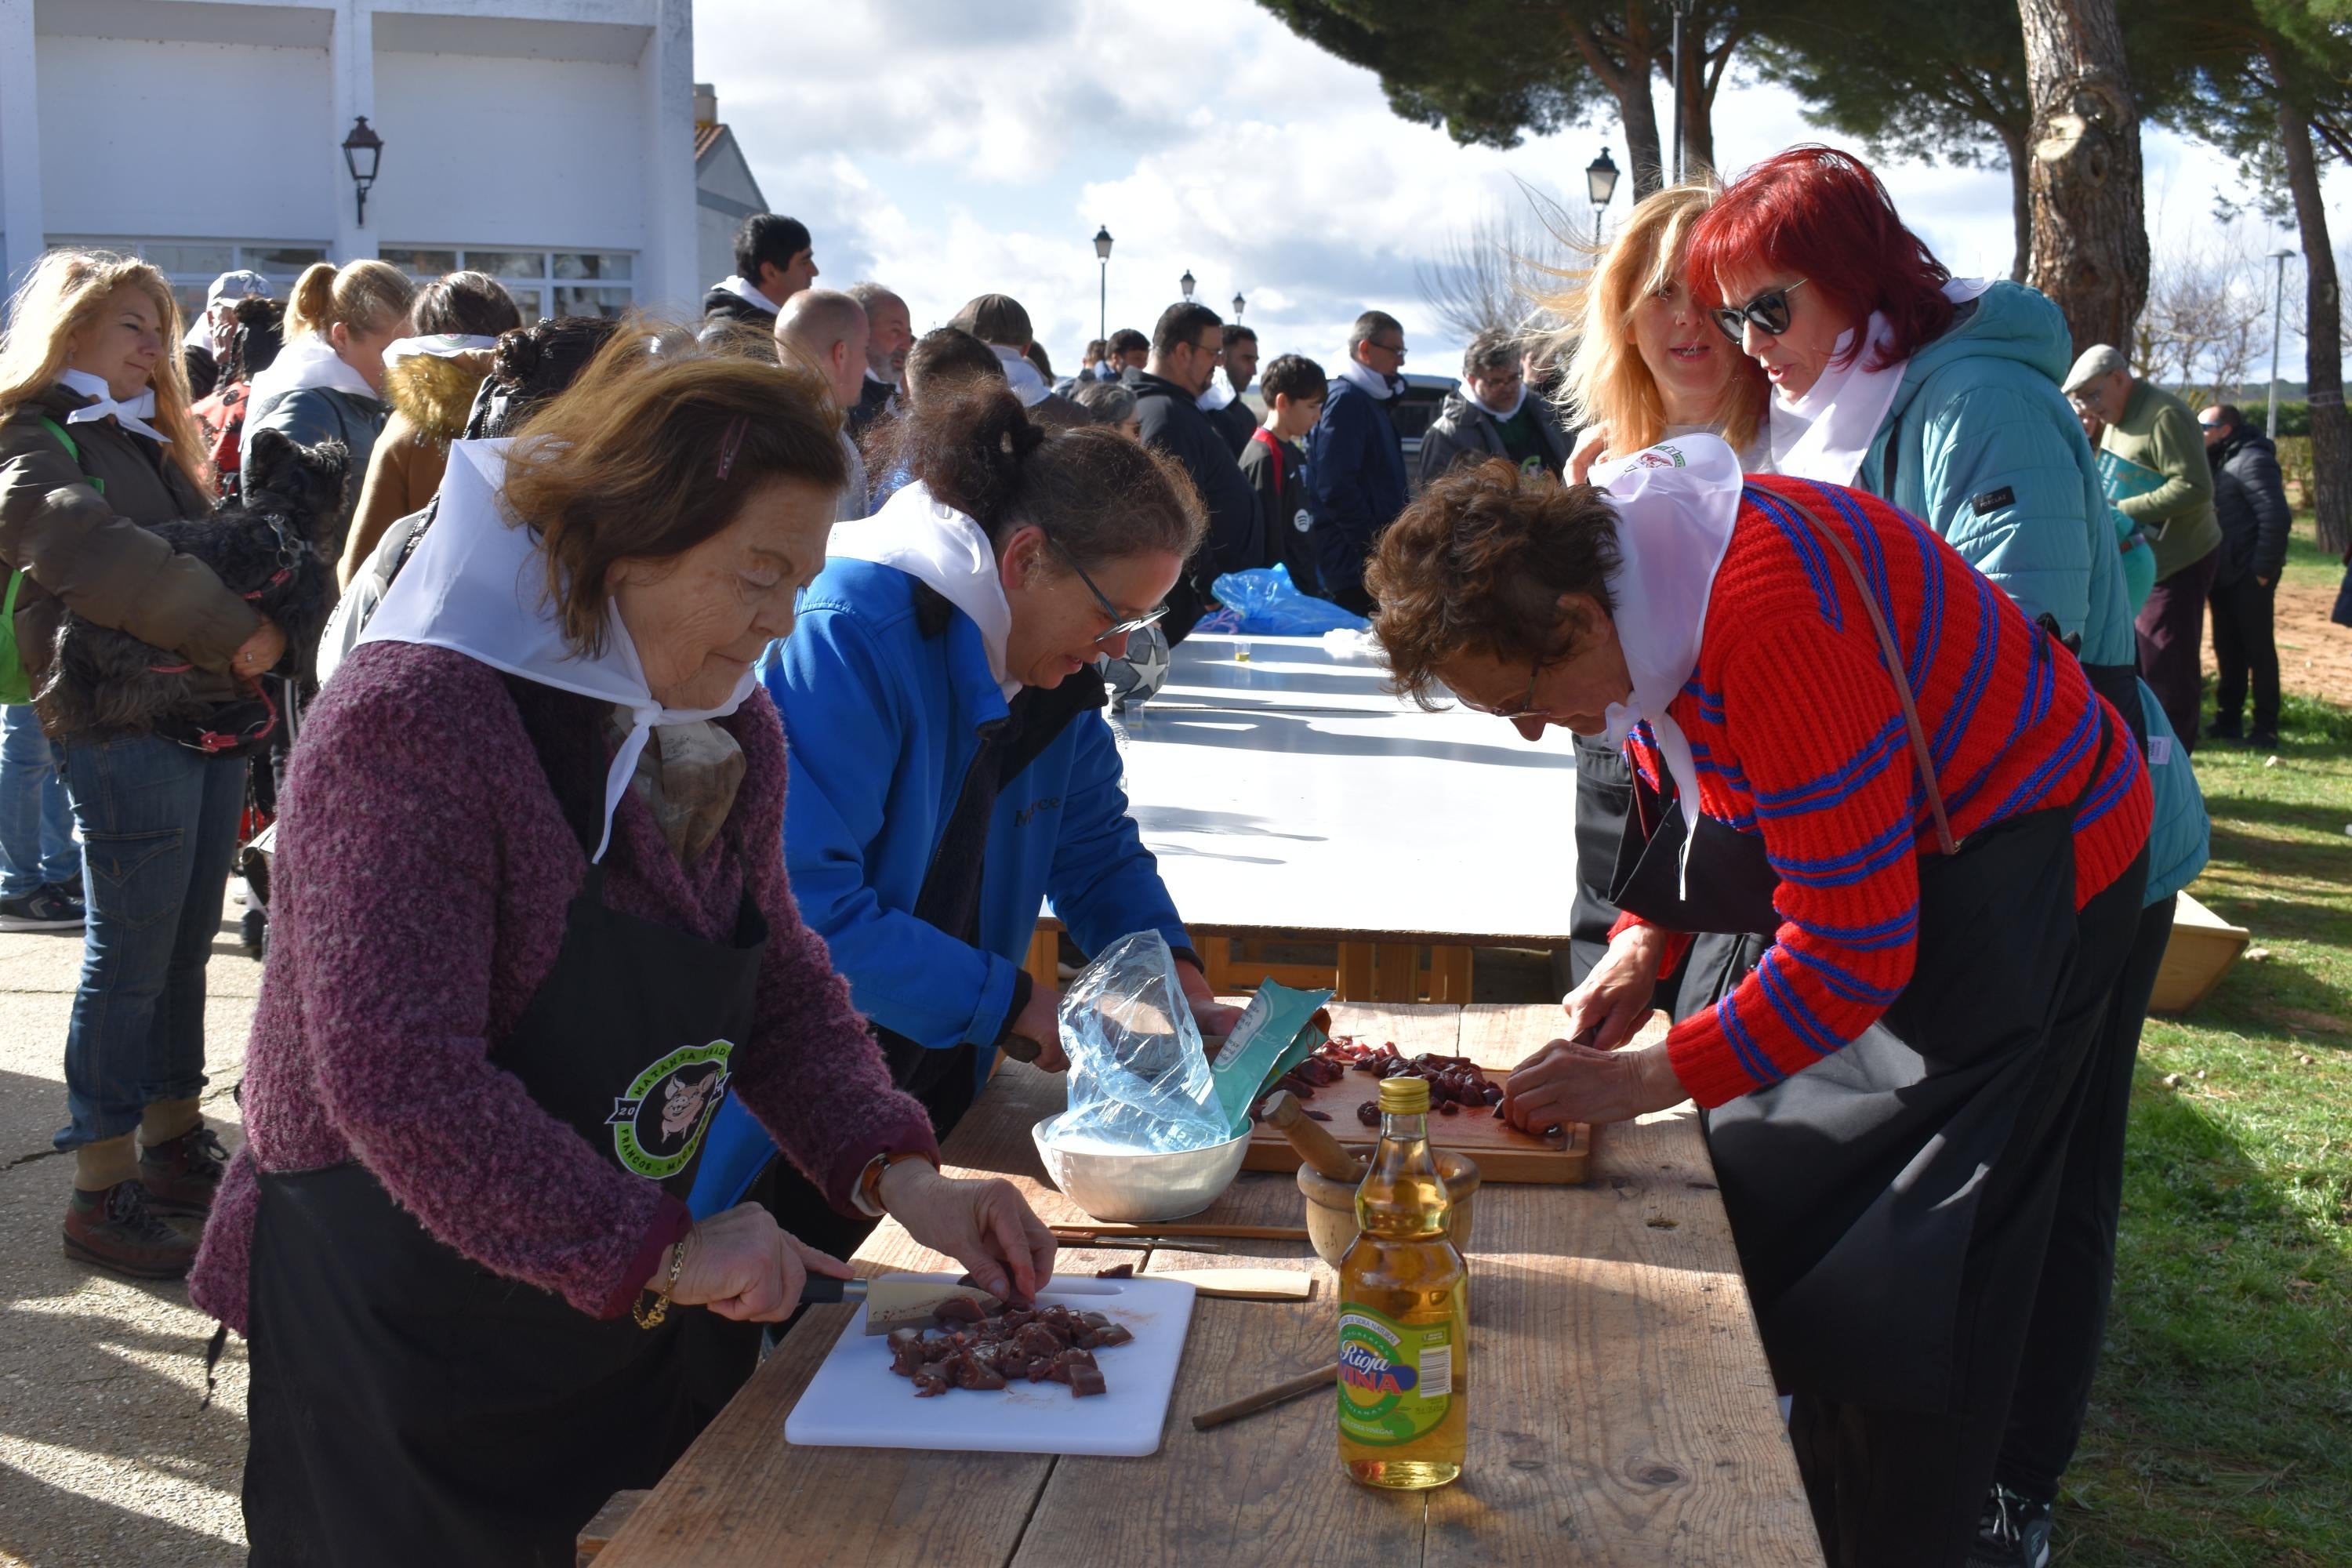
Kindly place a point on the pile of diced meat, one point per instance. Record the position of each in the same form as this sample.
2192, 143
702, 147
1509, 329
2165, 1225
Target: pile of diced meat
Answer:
975, 1348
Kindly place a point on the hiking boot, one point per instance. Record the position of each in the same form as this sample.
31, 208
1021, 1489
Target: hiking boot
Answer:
2014, 1532
43, 909
118, 1229
182, 1175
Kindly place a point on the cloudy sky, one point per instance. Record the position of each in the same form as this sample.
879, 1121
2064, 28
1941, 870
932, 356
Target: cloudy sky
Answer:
953, 147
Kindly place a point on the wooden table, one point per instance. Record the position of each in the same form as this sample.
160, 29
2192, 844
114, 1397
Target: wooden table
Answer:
1620, 1411
1292, 798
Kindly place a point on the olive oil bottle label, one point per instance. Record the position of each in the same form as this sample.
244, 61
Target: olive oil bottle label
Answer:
1395, 1379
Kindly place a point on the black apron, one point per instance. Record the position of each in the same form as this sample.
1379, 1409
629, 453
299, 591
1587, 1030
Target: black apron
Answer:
408, 1405
1859, 1189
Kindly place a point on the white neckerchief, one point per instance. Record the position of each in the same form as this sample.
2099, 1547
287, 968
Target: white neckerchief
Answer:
131, 414
1028, 385
439, 346
1220, 393
1675, 504
1825, 434
881, 380
1364, 376
310, 362
742, 290
478, 585
1505, 414
933, 542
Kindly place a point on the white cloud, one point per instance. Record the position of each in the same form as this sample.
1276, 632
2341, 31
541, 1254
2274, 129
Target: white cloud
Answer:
951, 147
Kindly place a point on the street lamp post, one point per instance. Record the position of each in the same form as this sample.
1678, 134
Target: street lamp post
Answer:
1238, 303
1102, 254
362, 150
1185, 283
1682, 13
1600, 184
2278, 319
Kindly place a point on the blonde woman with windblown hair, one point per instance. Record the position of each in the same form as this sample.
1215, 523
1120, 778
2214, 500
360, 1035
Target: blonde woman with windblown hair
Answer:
327, 383
1646, 363
96, 441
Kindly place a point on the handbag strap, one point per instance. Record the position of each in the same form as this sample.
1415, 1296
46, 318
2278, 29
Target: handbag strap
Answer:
1893, 662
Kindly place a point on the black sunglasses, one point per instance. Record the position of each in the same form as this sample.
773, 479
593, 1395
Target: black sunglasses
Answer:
1120, 626
1768, 310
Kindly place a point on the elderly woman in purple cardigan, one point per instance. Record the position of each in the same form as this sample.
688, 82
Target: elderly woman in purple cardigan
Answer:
531, 928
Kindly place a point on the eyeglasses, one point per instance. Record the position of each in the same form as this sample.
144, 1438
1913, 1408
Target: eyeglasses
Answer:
1396, 349
1768, 310
1121, 625
2211, 424
1525, 708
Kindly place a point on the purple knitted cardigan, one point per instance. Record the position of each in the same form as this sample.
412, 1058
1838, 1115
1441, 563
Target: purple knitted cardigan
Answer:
423, 872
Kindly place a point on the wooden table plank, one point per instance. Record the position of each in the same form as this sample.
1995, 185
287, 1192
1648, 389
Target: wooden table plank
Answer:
1621, 1408
1616, 1320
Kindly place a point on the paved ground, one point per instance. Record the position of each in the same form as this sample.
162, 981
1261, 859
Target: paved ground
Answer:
104, 1456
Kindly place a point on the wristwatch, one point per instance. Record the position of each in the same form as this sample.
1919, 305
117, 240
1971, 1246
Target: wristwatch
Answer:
867, 1195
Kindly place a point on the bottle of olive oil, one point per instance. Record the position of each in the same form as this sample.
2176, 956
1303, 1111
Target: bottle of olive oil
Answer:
1404, 1313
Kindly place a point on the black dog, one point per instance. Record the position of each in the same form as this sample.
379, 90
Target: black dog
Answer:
271, 549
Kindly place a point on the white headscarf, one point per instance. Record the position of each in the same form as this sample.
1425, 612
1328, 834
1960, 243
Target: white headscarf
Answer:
310, 361
1825, 434
439, 346
1676, 503
933, 542
1028, 385
478, 585
131, 414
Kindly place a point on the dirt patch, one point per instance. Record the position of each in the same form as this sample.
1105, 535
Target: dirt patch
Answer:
2315, 653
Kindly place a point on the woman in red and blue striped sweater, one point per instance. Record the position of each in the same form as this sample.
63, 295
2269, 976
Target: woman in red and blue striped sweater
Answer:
1916, 795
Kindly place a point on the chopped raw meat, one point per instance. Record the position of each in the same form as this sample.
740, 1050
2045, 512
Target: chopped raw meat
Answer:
984, 1351
957, 1310
1086, 1380
1117, 1271
1111, 1334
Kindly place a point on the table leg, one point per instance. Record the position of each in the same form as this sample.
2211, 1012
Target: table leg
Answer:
1449, 974
1397, 977
1355, 979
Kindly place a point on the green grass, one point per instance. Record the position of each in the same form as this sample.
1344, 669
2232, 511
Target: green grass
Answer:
2220, 1430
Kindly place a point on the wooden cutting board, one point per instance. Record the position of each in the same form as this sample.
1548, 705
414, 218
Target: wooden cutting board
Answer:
1503, 1153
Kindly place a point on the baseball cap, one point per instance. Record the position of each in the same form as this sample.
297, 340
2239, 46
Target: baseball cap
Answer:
235, 286
2096, 361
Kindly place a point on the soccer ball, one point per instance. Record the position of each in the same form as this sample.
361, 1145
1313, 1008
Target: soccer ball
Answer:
1136, 676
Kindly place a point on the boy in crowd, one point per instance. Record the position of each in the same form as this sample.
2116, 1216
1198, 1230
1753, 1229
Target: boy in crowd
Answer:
1276, 465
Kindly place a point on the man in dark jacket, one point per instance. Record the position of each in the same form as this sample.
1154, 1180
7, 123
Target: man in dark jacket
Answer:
1355, 460
1222, 402
2250, 501
890, 333
1185, 348
1491, 414
774, 262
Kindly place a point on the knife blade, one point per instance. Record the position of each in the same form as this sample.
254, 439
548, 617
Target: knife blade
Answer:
907, 1301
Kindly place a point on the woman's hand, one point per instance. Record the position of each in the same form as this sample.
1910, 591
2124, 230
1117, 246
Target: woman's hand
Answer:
984, 1225
1041, 1021
743, 1266
1212, 1016
260, 654
1567, 1082
1591, 445
1615, 997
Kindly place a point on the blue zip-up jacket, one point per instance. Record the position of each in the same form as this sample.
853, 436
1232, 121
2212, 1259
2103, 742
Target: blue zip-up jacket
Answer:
1988, 452
1355, 487
881, 725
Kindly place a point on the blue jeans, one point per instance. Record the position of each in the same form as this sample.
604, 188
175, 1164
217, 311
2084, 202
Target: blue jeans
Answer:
159, 825
36, 847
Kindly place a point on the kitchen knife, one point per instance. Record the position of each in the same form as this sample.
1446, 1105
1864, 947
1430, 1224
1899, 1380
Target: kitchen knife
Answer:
907, 1301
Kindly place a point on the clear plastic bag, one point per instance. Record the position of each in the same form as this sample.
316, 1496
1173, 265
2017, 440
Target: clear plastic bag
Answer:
1139, 1080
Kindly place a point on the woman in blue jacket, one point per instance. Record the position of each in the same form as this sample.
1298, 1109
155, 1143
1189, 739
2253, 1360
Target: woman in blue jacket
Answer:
1943, 396
952, 766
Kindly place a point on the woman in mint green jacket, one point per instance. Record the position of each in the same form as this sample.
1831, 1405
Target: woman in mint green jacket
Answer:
1943, 396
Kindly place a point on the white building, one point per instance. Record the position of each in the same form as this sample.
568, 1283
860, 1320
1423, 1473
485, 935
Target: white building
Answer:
551, 143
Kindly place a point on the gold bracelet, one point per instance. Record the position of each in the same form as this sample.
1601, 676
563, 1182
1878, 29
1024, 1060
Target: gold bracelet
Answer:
651, 1317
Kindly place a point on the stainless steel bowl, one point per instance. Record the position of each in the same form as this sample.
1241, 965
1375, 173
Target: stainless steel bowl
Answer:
1136, 1188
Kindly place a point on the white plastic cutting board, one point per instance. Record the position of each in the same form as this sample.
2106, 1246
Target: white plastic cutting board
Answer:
855, 1401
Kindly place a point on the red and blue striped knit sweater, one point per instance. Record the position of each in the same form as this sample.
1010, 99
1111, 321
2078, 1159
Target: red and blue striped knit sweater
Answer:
1797, 733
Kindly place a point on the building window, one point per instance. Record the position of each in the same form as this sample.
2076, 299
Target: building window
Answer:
543, 283
193, 264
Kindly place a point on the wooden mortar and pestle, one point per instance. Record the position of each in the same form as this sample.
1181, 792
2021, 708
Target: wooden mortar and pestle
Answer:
1329, 1175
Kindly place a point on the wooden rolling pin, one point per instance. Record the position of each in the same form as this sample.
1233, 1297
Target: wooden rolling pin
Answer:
1318, 1148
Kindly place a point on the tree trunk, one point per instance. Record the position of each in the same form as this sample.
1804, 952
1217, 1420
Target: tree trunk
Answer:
2089, 229
1628, 81
2331, 427
2020, 201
